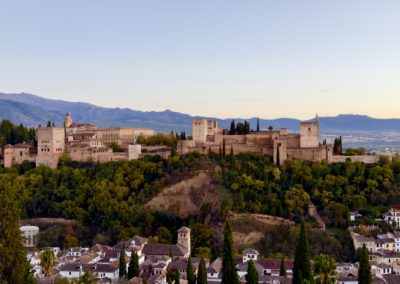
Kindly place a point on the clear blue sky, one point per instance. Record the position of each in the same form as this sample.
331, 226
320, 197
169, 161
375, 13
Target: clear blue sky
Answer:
216, 58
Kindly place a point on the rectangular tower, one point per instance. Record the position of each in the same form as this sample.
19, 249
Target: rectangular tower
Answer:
51, 145
309, 134
200, 130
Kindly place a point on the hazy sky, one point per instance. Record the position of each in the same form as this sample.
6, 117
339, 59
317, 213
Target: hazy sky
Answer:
216, 58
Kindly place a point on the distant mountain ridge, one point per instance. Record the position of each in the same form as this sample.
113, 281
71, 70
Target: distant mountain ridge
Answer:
32, 110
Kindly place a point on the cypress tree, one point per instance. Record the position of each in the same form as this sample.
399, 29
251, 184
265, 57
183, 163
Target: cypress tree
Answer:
14, 267
246, 127
232, 159
47, 261
191, 278
133, 269
202, 273
233, 127
49, 123
177, 277
278, 155
282, 271
258, 125
122, 264
229, 274
223, 148
302, 266
173, 150
252, 274
364, 271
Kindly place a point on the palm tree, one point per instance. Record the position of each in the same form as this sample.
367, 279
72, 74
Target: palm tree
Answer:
88, 278
324, 268
47, 261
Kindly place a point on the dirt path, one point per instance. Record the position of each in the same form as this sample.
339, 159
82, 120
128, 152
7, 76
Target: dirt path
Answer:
45, 221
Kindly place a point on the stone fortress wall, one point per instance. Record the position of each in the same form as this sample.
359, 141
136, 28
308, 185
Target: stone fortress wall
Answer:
85, 142
279, 145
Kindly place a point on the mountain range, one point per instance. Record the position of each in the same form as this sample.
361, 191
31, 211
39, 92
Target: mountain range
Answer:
32, 110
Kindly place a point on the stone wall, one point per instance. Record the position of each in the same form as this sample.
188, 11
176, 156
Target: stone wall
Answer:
16, 154
80, 153
364, 159
309, 154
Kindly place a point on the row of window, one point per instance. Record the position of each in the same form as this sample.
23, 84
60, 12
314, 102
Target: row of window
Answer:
48, 150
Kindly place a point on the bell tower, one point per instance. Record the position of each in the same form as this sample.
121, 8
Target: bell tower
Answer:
67, 120
184, 238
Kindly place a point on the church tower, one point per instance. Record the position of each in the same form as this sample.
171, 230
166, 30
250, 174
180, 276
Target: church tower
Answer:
184, 238
67, 120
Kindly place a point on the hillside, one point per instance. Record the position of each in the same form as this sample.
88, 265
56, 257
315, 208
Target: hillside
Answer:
188, 196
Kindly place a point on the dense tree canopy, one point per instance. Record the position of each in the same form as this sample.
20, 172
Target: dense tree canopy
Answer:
13, 134
105, 201
260, 187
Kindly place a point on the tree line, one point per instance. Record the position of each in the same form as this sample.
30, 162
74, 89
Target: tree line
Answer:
14, 134
106, 199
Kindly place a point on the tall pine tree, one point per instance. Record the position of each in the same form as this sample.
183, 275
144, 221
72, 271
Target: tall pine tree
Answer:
246, 127
258, 125
252, 274
282, 271
302, 265
202, 273
278, 155
133, 268
122, 264
233, 128
177, 276
223, 148
232, 159
14, 267
229, 273
364, 271
191, 278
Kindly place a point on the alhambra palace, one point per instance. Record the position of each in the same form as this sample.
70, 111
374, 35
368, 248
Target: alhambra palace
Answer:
280, 145
86, 142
